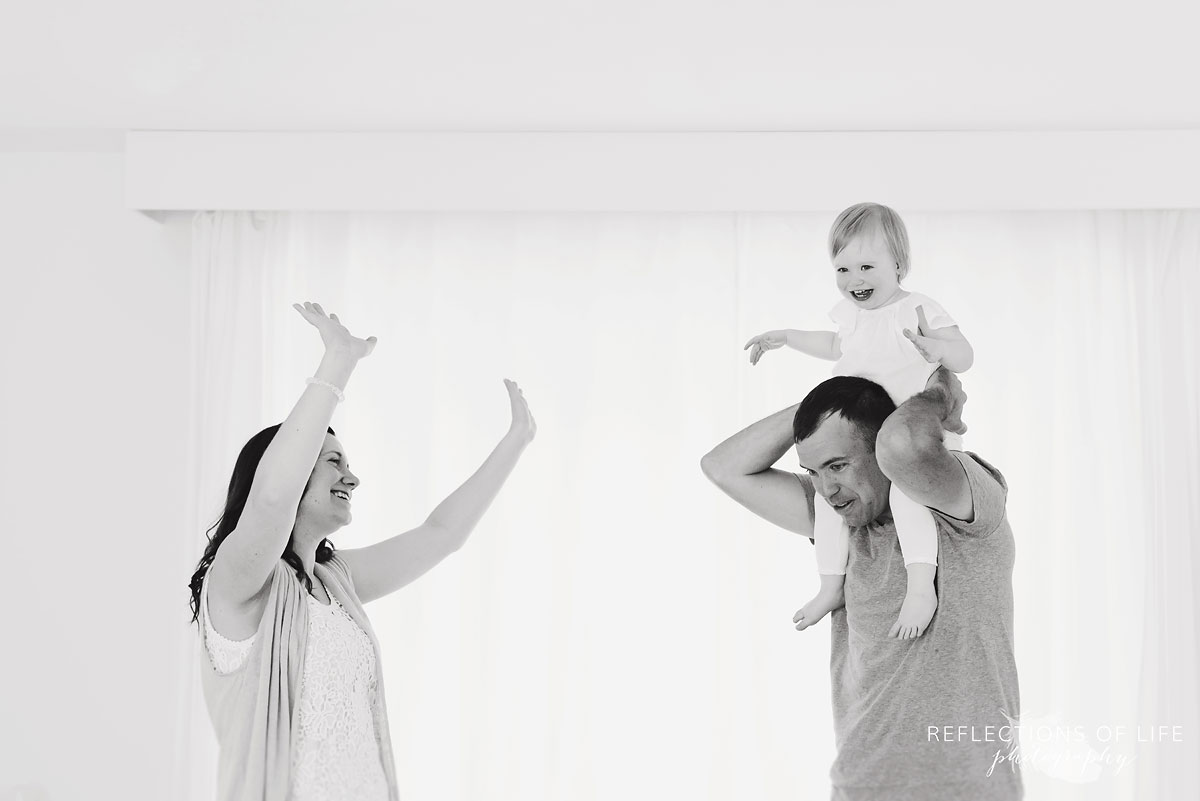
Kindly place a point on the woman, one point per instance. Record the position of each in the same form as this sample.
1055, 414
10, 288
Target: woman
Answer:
290, 665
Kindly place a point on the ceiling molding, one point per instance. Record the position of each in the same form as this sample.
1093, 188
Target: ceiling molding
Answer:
661, 172
61, 140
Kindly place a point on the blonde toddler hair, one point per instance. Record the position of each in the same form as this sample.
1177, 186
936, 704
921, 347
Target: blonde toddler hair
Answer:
864, 218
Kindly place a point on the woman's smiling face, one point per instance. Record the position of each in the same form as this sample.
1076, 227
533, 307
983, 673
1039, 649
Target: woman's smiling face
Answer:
866, 271
327, 496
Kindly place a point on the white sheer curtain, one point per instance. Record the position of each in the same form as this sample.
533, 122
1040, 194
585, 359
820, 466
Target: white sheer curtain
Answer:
618, 629
1164, 251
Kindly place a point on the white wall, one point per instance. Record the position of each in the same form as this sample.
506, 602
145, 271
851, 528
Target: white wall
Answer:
94, 333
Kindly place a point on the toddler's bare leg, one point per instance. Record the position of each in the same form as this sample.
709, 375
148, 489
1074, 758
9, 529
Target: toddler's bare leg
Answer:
917, 533
832, 540
830, 597
919, 604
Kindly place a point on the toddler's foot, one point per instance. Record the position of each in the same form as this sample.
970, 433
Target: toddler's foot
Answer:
829, 598
919, 603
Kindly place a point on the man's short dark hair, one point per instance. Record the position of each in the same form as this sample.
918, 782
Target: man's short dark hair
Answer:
860, 400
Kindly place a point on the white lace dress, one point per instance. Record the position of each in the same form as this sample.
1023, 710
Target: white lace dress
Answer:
335, 748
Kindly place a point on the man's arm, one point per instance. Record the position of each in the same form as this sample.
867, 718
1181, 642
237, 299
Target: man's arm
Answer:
911, 453
741, 467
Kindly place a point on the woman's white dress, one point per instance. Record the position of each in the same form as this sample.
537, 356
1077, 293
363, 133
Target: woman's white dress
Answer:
335, 750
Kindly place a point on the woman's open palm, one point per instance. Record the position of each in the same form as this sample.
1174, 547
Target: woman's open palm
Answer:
335, 335
523, 424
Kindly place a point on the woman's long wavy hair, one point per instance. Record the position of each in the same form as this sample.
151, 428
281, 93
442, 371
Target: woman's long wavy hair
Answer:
235, 501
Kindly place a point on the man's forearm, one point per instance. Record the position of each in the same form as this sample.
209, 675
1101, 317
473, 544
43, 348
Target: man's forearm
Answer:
924, 414
752, 449
741, 467
915, 429
912, 453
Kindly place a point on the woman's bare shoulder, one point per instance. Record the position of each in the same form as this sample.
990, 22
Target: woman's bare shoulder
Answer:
234, 617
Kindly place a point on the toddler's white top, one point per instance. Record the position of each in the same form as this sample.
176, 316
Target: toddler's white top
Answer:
874, 345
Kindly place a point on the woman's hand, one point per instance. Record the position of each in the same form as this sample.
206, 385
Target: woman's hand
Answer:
523, 427
764, 342
335, 335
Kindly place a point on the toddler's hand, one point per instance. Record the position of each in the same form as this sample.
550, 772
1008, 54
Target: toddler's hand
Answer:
932, 350
764, 342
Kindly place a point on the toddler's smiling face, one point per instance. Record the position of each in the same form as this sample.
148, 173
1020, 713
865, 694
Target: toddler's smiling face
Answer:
866, 272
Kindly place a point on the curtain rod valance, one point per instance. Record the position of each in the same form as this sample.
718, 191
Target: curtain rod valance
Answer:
662, 172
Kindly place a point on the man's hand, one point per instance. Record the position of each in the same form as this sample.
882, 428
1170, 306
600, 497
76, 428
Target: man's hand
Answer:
945, 386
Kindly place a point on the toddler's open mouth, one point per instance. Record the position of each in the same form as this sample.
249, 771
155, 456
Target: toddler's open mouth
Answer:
863, 294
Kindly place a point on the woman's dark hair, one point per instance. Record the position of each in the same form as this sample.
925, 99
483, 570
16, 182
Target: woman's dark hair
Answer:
235, 501
860, 400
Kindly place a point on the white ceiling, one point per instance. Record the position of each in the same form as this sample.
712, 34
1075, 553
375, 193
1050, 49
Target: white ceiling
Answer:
615, 65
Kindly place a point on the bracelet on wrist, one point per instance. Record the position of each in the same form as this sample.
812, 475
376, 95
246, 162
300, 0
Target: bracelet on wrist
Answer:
331, 387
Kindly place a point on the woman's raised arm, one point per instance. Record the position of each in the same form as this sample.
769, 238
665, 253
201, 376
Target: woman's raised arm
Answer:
251, 551
387, 566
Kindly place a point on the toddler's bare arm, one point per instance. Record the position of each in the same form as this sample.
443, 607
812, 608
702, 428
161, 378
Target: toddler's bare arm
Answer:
821, 344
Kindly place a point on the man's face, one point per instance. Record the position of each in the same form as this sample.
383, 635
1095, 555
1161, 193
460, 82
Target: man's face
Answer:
844, 471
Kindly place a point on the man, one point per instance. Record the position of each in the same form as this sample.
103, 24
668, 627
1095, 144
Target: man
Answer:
924, 718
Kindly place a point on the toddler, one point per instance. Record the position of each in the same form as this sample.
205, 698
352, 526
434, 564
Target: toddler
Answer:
897, 339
